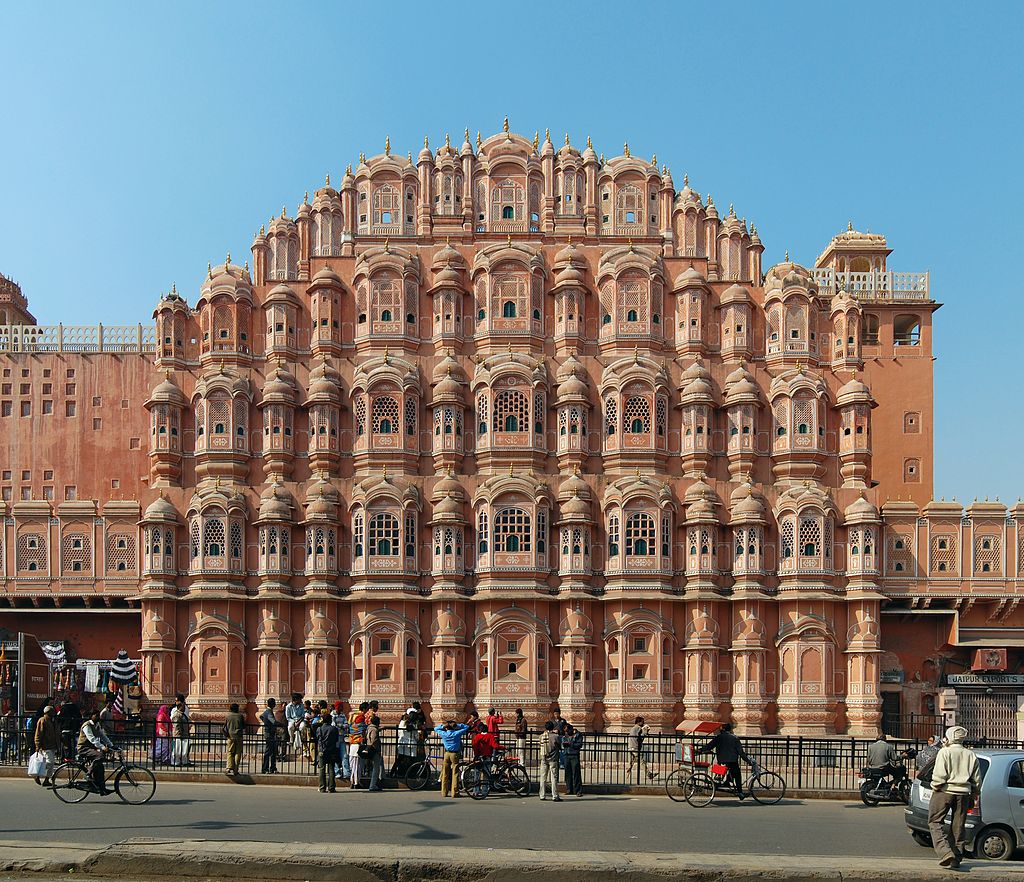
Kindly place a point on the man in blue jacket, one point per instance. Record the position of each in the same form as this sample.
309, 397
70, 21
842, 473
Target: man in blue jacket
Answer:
451, 737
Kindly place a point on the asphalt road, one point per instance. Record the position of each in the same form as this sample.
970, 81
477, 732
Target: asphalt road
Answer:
276, 813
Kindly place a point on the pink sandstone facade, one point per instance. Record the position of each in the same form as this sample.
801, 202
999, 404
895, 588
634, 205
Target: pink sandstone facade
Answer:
508, 425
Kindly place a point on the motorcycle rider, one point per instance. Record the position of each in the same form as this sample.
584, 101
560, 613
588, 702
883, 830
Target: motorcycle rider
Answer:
882, 755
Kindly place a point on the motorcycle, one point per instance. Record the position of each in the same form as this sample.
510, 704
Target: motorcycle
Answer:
886, 783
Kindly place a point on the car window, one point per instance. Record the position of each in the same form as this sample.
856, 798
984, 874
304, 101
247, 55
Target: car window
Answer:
1016, 778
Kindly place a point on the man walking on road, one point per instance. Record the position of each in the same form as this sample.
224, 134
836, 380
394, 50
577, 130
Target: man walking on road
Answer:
956, 781
270, 726
729, 751
234, 731
550, 746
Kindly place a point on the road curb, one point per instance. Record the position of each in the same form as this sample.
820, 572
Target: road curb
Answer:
142, 858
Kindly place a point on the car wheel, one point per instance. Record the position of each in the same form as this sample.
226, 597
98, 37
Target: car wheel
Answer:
920, 838
994, 844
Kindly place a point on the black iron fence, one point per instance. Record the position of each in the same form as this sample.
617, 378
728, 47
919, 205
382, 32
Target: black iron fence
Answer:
809, 764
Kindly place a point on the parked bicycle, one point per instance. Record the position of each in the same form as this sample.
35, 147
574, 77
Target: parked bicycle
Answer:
135, 785
424, 773
698, 786
505, 774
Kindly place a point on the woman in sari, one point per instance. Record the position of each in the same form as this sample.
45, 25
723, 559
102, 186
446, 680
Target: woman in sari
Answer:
162, 741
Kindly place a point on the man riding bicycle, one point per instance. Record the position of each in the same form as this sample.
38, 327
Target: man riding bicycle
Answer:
93, 745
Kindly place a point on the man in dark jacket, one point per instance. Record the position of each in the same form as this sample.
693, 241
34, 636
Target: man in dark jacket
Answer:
328, 753
728, 752
572, 744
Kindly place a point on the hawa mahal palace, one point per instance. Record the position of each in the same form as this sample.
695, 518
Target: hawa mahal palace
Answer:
510, 424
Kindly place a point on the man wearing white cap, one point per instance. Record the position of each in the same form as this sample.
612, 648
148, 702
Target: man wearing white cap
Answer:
956, 781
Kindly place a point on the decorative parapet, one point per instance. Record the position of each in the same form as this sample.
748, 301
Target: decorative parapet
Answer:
78, 338
876, 286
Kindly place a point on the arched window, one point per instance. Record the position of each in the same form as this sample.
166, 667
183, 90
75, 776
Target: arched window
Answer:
641, 539
512, 530
383, 539
385, 415
511, 411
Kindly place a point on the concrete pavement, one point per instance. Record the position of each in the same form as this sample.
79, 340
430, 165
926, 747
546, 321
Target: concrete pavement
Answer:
624, 823
143, 859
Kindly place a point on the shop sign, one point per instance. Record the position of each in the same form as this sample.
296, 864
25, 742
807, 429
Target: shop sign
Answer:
985, 679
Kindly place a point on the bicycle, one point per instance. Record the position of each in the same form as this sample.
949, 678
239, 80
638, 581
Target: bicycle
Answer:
424, 773
697, 786
505, 774
133, 784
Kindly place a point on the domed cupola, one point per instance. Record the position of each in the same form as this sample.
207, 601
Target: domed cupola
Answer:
277, 403
572, 406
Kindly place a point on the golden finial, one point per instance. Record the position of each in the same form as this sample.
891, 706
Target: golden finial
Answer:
478, 141
787, 255
506, 125
447, 142
589, 144
625, 150
327, 179
426, 142
686, 179
387, 145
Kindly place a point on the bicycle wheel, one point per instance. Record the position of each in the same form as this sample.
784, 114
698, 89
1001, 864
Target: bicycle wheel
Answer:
475, 781
135, 785
767, 788
674, 785
699, 789
70, 783
420, 775
517, 780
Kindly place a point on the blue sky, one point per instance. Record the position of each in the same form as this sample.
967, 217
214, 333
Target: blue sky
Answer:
141, 141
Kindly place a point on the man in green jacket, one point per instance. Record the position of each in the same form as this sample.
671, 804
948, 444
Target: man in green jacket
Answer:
234, 731
956, 781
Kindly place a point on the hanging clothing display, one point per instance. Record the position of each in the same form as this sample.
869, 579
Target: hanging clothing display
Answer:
123, 669
92, 677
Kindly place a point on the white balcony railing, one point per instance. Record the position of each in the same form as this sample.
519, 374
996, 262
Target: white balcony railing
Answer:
77, 338
896, 287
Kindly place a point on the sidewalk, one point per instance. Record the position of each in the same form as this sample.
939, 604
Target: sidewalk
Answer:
203, 858
193, 776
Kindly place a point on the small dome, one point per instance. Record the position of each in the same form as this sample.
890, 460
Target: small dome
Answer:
861, 510
274, 503
160, 509
327, 276
735, 294
690, 278
168, 393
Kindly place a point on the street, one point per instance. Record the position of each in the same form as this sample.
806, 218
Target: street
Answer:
602, 822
